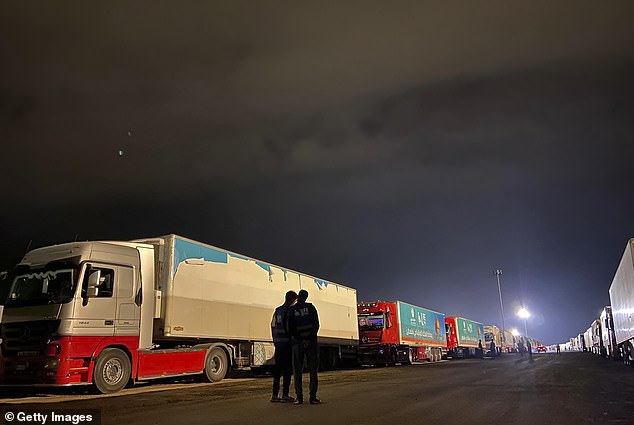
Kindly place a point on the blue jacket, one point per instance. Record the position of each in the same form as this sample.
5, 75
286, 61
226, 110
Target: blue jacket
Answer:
303, 322
279, 327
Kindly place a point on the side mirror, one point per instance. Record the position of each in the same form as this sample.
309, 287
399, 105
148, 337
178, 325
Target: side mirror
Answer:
92, 290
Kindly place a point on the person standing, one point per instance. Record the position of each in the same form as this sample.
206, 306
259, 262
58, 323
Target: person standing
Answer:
303, 325
493, 352
529, 349
283, 350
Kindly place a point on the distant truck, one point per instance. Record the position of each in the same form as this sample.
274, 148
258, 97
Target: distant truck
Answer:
509, 342
587, 339
622, 303
607, 334
463, 336
504, 340
398, 332
492, 334
112, 313
597, 339
581, 343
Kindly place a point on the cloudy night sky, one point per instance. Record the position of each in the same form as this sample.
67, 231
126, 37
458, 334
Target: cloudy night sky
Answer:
405, 149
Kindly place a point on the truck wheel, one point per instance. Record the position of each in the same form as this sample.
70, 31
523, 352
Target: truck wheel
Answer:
112, 371
216, 365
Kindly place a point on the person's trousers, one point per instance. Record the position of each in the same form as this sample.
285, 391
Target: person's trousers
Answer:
309, 350
283, 369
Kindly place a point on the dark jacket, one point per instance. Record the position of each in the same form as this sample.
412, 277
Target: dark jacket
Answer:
303, 322
279, 327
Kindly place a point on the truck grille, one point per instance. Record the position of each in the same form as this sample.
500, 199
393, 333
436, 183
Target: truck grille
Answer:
27, 338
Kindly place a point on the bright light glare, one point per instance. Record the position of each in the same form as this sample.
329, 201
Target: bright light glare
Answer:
523, 313
515, 332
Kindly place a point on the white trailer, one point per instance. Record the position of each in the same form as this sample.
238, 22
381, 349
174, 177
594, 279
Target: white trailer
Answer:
622, 303
210, 293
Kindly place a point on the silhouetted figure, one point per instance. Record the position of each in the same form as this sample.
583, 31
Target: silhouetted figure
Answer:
304, 324
493, 352
283, 350
529, 349
558, 349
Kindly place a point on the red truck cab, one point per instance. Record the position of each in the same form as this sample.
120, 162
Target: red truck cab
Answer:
378, 334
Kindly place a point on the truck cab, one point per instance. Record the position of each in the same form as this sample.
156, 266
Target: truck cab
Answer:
607, 334
378, 333
73, 312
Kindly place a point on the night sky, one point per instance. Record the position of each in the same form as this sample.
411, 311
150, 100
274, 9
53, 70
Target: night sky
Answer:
405, 149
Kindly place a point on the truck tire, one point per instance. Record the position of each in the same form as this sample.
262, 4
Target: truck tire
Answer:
112, 371
216, 364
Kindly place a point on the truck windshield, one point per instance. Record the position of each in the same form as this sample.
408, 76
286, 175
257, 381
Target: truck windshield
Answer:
41, 287
373, 322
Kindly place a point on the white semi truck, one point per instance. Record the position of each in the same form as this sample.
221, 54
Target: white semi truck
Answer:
622, 303
609, 347
112, 313
587, 340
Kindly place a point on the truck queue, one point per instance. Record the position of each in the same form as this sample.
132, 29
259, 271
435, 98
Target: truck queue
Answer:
611, 335
111, 313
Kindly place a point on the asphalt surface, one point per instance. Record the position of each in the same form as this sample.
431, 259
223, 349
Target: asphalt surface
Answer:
571, 388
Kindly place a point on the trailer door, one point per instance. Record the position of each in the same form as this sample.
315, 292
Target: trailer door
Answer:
128, 311
95, 316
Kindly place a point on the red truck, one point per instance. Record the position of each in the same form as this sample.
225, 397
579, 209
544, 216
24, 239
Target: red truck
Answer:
398, 332
463, 337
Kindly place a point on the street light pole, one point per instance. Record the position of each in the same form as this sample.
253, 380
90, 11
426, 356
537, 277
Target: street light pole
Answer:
498, 273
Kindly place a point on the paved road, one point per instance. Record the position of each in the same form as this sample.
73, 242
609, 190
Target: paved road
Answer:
573, 388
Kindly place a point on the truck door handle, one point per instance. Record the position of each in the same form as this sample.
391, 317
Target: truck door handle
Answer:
109, 322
